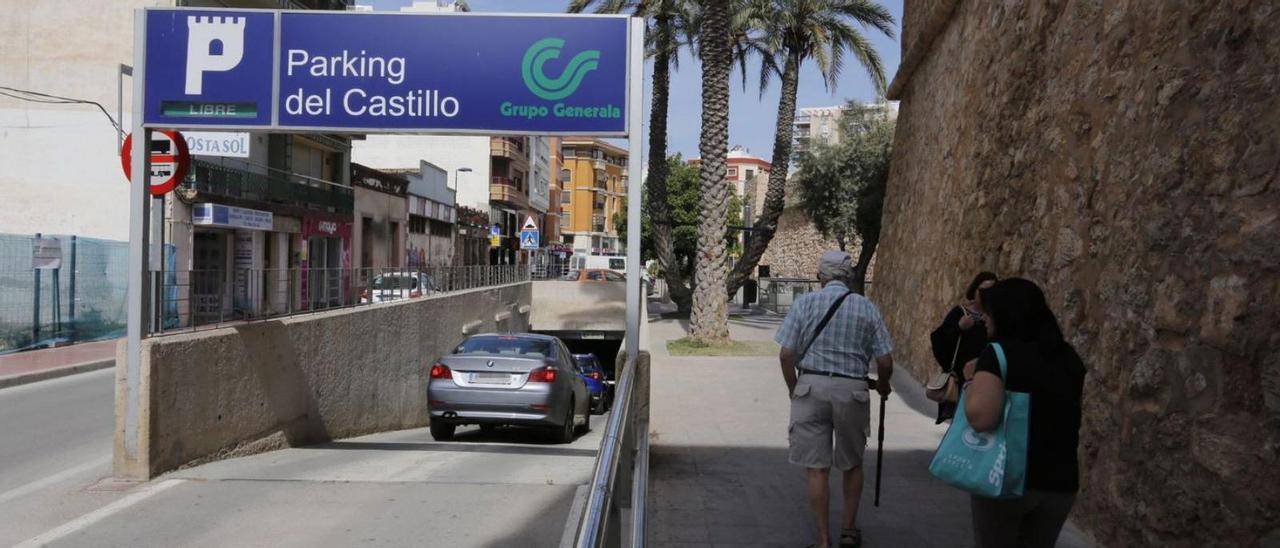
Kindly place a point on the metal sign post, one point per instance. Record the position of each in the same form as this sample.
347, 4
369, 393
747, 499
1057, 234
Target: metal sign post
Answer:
139, 205
635, 113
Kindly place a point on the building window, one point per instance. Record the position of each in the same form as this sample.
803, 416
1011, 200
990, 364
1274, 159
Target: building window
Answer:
750, 173
733, 172
417, 225
566, 196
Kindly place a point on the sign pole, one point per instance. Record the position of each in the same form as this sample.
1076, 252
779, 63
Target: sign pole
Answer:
635, 117
139, 202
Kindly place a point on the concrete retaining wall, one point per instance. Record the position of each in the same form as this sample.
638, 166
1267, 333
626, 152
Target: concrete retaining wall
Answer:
266, 385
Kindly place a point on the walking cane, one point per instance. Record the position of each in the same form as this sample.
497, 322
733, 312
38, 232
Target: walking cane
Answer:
880, 452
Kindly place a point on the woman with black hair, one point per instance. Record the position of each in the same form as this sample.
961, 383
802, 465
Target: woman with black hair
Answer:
1039, 362
961, 337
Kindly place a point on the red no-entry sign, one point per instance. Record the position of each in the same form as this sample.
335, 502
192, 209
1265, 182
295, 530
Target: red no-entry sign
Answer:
170, 160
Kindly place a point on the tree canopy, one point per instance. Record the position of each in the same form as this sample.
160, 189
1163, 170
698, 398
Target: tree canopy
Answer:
841, 186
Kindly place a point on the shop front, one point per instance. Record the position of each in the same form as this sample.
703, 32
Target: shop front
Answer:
324, 263
228, 253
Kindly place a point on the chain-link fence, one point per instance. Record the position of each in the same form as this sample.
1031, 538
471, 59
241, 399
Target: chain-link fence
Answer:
81, 299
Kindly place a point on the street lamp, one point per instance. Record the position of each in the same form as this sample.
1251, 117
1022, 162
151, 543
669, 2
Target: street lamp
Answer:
456, 173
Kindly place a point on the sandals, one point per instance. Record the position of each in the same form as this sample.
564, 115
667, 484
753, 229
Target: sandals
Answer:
851, 538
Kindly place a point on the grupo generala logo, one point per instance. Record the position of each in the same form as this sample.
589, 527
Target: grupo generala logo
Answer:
555, 89
214, 44
978, 441
533, 69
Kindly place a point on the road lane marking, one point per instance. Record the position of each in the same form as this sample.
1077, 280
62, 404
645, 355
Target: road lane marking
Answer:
27, 489
75, 525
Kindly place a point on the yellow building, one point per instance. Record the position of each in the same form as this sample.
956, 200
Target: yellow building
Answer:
593, 177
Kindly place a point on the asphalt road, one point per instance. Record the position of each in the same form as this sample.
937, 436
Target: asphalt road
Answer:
509, 488
55, 446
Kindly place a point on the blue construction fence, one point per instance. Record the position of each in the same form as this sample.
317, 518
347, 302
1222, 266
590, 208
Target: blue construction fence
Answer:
81, 300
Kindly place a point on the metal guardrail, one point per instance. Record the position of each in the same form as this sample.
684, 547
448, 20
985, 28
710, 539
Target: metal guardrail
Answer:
620, 481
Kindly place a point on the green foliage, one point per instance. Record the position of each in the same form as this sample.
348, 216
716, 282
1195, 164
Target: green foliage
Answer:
820, 30
693, 347
682, 188
842, 186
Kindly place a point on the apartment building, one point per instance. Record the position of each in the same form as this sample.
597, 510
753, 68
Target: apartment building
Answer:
593, 179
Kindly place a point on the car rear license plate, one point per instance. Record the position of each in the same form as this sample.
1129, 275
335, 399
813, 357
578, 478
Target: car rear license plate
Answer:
491, 378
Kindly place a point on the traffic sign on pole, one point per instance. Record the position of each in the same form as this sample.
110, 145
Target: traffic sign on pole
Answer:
170, 160
529, 239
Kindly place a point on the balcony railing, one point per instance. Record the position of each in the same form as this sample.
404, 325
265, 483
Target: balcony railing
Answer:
506, 148
503, 189
279, 187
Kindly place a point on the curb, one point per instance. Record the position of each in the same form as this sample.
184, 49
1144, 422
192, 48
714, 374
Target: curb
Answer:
54, 373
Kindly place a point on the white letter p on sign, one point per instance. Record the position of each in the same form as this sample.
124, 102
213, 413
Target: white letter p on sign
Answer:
202, 33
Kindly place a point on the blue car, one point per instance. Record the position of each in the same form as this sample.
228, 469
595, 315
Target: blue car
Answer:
599, 388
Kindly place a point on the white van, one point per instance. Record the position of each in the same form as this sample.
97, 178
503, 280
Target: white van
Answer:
591, 262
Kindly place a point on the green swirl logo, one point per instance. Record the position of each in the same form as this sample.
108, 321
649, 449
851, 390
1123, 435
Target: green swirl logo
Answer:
554, 89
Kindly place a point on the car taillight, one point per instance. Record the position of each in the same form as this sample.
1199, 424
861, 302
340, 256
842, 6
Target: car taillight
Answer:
546, 374
440, 371
595, 375
415, 294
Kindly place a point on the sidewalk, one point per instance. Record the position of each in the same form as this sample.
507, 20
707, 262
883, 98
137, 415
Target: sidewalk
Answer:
38, 365
719, 470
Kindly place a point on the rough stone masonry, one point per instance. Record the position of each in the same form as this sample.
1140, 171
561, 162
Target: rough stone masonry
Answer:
1126, 155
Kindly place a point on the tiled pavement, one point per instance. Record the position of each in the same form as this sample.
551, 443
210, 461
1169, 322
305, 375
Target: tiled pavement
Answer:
22, 367
719, 471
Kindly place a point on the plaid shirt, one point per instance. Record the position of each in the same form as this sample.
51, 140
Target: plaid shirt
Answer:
855, 335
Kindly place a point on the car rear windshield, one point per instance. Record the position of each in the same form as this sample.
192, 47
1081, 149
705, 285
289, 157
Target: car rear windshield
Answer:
395, 282
507, 346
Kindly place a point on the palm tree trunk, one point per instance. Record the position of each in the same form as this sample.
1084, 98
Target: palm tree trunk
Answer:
775, 197
659, 203
709, 321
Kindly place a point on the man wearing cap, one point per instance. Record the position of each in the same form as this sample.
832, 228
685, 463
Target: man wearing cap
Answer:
825, 367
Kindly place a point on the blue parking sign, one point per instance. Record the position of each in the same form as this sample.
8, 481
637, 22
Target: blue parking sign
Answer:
387, 72
207, 67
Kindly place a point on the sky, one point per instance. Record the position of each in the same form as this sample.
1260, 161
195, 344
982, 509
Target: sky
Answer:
751, 116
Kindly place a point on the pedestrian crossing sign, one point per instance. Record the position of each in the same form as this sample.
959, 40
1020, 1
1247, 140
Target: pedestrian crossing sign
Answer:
529, 239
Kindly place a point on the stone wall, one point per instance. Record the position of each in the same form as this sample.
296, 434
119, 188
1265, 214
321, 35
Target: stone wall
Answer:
794, 250
1125, 155
295, 381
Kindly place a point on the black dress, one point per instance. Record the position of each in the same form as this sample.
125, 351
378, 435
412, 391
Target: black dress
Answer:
944, 339
1056, 386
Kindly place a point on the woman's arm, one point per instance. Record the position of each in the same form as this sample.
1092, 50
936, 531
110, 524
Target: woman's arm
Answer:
984, 401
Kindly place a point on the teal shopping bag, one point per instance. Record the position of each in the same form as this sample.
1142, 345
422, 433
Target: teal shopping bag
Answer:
990, 464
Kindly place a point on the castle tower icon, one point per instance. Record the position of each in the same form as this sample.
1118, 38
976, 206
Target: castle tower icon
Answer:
203, 33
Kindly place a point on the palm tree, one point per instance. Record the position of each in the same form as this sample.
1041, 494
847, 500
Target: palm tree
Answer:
797, 31
668, 22
709, 321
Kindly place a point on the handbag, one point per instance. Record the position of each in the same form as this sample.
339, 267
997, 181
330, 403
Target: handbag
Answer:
944, 387
990, 464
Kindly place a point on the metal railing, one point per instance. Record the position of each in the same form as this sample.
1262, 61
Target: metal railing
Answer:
207, 299
619, 485
277, 186
777, 294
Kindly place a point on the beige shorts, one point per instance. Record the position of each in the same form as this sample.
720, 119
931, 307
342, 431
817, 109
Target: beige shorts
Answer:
830, 422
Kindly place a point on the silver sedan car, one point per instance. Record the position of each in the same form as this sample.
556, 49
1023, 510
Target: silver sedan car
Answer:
513, 379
